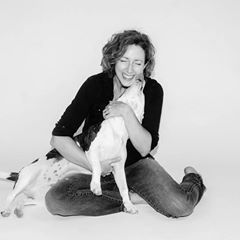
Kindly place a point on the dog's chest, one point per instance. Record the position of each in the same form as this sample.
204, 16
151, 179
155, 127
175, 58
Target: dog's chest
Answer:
110, 139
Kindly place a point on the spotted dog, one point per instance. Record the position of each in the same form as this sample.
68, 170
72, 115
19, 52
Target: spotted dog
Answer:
103, 141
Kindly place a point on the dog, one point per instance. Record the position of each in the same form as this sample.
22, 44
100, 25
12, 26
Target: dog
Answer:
107, 140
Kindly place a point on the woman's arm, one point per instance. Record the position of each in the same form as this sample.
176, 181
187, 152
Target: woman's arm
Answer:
144, 137
70, 150
73, 153
139, 136
70, 121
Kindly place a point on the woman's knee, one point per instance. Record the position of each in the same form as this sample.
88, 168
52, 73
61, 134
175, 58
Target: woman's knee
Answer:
50, 202
181, 209
175, 208
57, 200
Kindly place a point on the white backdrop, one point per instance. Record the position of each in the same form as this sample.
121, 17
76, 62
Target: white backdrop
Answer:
49, 47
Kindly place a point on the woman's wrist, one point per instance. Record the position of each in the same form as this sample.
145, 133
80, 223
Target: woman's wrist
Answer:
127, 111
71, 151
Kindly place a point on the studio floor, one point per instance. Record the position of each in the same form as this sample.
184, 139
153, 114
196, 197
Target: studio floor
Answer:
216, 217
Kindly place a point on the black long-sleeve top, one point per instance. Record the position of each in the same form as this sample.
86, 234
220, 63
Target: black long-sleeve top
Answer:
92, 97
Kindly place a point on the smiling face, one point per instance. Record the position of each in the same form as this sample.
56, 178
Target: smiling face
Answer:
130, 66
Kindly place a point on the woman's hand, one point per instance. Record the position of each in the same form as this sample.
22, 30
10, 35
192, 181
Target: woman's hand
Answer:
115, 109
107, 165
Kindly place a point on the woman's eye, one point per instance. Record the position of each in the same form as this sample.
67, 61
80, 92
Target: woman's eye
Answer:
138, 64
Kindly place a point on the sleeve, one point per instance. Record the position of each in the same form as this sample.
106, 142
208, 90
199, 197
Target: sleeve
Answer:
76, 112
152, 112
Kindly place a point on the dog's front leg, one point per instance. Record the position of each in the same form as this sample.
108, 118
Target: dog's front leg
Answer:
95, 184
120, 179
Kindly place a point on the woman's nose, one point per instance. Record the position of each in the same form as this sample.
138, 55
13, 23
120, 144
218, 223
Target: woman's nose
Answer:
130, 68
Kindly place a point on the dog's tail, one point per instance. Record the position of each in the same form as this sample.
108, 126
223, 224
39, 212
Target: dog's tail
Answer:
12, 176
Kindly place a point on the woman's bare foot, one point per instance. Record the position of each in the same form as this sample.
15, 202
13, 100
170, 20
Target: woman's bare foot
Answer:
189, 169
136, 199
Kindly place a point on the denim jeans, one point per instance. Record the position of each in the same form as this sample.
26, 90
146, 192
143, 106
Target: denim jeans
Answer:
72, 195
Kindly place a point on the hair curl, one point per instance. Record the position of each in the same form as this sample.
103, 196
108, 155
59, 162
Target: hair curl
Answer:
117, 46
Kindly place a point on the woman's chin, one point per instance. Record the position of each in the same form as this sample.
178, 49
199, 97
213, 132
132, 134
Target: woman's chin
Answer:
126, 83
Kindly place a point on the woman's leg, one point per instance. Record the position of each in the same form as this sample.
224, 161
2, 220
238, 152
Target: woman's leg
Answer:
72, 196
151, 182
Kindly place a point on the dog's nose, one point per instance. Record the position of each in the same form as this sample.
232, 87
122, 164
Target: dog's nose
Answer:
140, 84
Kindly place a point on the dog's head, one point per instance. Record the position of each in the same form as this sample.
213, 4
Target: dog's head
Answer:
134, 97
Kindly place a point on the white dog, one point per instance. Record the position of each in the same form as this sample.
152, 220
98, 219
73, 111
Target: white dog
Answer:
34, 180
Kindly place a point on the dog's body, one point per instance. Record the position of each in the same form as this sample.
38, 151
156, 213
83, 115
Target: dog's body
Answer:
34, 180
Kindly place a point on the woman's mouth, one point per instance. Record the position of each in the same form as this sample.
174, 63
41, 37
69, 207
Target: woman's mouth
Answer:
128, 77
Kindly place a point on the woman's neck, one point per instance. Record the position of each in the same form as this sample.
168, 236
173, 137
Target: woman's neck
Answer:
118, 89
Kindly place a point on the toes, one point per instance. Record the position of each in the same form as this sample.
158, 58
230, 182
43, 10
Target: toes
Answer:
131, 211
130, 208
5, 213
190, 169
18, 212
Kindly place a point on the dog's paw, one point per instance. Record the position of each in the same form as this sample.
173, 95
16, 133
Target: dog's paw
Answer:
6, 213
96, 188
130, 208
18, 212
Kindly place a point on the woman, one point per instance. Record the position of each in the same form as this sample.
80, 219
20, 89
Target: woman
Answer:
126, 56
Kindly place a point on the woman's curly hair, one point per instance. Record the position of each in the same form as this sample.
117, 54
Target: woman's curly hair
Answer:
117, 46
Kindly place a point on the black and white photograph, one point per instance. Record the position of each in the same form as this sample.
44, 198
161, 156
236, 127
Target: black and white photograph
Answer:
119, 119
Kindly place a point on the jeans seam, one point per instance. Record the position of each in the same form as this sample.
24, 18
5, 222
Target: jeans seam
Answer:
111, 198
84, 193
